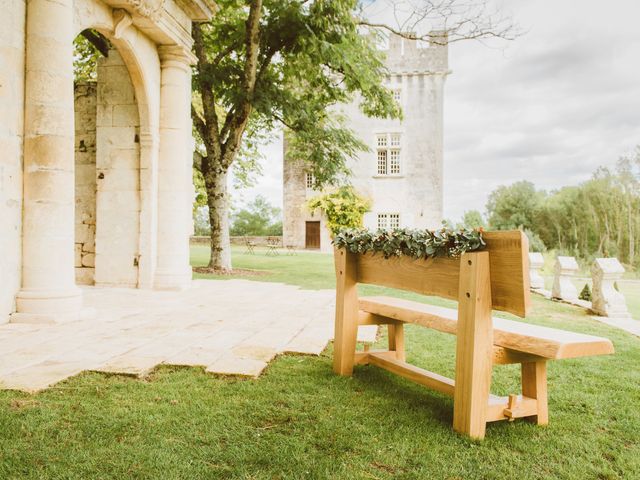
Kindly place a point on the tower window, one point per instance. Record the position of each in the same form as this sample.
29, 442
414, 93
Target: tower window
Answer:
397, 95
388, 154
309, 179
388, 221
382, 162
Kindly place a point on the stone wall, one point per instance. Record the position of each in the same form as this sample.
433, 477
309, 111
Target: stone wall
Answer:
85, 99
107, 153
118, 175
235, 240
12, 38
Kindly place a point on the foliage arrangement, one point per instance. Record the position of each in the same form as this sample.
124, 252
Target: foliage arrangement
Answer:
445, 242
344, 208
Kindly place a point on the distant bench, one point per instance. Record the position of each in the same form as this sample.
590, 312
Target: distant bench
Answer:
496, 278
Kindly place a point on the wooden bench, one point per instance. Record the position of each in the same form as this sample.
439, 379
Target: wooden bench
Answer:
495, 278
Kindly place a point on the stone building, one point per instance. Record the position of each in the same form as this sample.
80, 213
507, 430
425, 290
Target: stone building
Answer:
402, 172
105, 199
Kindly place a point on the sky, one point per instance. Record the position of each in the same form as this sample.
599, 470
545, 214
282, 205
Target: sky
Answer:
549, 107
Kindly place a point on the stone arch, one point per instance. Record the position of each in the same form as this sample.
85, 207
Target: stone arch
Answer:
138, 51
141, 58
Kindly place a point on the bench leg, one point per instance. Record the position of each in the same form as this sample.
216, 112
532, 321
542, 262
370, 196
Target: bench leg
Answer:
346, 323
474, 347
396, 340
534, 385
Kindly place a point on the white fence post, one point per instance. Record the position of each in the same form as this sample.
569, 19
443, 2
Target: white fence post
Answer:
563, 287
607, 301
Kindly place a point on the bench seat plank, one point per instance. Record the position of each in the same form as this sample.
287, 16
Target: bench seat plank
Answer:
545, 342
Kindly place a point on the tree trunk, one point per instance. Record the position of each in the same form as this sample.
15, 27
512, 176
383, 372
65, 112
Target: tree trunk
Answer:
218, 202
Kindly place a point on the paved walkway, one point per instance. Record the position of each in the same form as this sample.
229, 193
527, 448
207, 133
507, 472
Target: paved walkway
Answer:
232, 327
627, 324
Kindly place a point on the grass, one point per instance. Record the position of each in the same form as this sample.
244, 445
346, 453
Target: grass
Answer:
300, 421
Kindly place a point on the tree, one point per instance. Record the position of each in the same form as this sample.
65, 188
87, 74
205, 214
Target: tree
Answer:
344, 208
513, 207
258, 218
87, 48
599, 217
473, 219
263, 63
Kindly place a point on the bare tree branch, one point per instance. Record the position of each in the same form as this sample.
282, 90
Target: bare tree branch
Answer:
439, 22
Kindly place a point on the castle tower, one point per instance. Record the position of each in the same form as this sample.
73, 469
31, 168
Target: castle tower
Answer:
402, 171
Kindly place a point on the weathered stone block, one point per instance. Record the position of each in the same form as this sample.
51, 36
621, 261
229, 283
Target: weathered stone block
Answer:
104, 116
85, 233
563, 288
114, 137
125, 115
84, 275
606, 300
88, 260
78, 254
536, 262
117, 89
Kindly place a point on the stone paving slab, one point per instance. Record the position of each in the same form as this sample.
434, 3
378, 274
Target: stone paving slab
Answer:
231, 327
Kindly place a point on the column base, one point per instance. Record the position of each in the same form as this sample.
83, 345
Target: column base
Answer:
48, 306
173, 280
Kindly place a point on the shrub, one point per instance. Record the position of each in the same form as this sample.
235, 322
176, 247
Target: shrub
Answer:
585, 294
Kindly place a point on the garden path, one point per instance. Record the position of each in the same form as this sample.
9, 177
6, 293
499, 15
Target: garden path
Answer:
231, 327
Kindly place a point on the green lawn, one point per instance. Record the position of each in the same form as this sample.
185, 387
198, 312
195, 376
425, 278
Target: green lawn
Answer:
299, 420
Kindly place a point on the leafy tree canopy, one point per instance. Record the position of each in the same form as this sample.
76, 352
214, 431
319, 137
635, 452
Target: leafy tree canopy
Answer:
514, 206
344, 208
259, 218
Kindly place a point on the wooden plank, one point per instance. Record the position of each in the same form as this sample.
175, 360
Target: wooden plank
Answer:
505, 356
534, 385
396, 340
362, 358
474, 346
415, 374
496, 407
346, 321
434, 276
550, 343
366, 318
509, 262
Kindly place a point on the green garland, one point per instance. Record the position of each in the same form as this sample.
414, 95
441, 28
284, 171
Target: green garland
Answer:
411, 243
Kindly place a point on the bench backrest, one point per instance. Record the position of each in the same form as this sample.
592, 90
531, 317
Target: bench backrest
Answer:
509, 271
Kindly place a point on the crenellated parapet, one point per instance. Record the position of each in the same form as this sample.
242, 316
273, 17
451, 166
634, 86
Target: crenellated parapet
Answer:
412, 57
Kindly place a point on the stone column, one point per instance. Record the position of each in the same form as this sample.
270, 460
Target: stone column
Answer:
174, 169
49, 293
607, 301
536, 262
563, 287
